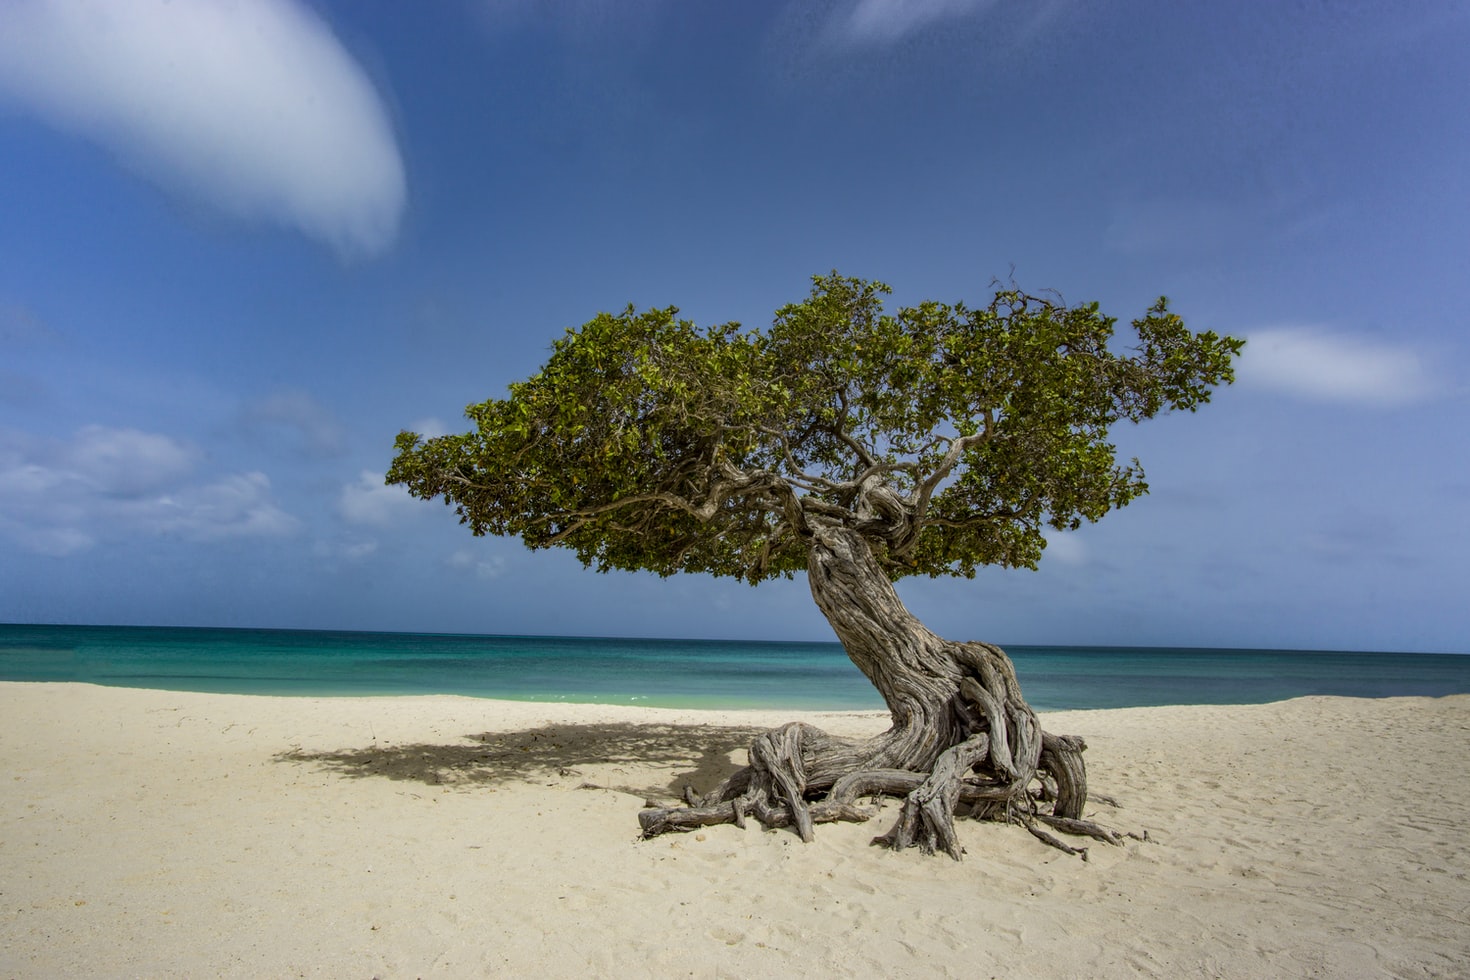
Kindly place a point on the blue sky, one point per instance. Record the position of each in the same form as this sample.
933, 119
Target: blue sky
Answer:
243, 244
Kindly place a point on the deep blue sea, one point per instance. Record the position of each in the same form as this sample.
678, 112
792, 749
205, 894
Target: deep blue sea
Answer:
676, 673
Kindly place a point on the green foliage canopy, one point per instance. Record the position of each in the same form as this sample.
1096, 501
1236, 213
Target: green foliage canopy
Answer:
949, 437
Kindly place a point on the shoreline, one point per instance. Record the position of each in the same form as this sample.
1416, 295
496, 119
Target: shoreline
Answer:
180, 834
703, 674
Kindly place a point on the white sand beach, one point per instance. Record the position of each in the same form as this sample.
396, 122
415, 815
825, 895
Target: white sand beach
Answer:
148, 833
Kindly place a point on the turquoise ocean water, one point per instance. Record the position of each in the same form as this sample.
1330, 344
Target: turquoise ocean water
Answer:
676, 673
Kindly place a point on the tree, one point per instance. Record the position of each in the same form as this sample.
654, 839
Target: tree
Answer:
860, 447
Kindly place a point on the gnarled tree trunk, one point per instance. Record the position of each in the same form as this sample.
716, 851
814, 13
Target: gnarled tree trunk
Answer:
963, 739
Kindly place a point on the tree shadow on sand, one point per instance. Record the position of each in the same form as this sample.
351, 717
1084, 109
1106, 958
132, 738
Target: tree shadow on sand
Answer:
702, 753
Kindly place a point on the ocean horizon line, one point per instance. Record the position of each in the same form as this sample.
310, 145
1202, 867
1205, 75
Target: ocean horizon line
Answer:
639, 638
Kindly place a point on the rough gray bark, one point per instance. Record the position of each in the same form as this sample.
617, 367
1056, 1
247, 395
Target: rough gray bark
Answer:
962, 740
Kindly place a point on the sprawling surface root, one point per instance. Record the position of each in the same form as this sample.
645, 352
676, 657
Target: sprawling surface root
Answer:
927, 817
773, 788
999, 766
963, 742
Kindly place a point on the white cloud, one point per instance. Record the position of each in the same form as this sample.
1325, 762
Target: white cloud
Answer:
234, 507
370, 501
1065, 549
886, 21
359, 550
126, 462
61, 497
465, 561
1322, 365
54, 542
430, 428
349, 549
252, 107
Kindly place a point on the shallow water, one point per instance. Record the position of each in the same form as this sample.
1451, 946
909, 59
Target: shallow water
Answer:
676, 673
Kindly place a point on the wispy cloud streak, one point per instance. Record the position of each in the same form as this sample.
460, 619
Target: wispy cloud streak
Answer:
887, 21
1323, 365
252, 108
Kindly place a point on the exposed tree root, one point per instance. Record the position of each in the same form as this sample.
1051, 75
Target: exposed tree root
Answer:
775, 792
964, 742
778, 791
1080, 828
927, 817
1052, 840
